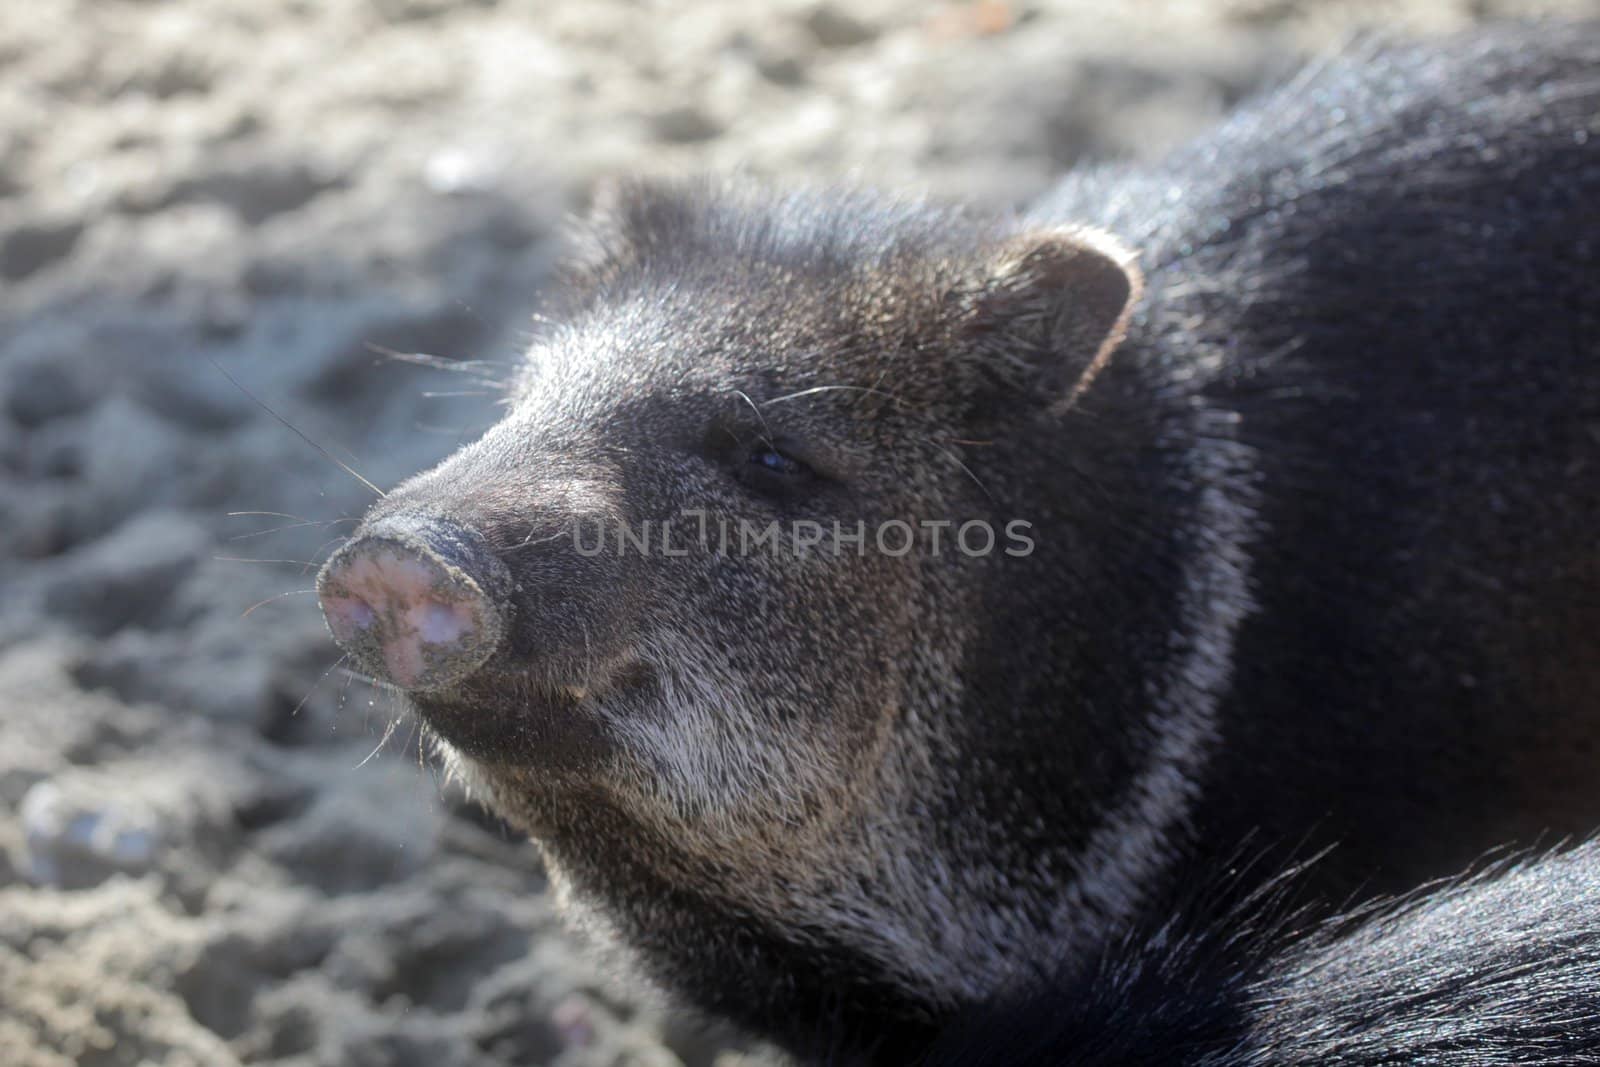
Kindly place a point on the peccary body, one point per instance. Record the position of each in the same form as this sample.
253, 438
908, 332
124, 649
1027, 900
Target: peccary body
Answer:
1290, 447
1498, 968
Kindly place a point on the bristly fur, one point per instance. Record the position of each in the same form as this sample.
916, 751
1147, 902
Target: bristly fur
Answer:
1313, 515
1500, 967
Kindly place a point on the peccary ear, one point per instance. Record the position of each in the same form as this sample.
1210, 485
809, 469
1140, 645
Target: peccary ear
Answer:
1050, 308
630, 207
626, 219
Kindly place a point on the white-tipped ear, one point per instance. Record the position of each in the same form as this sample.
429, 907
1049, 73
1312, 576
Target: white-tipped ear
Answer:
1053, 306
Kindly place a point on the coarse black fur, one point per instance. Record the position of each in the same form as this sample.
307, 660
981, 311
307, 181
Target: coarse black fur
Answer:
1304, 423
1395, 263
1501, 967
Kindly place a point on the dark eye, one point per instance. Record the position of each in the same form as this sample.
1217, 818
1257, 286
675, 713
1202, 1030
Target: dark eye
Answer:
772, 471
776, 462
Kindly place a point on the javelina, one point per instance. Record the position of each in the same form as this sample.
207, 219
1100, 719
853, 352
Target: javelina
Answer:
868, 605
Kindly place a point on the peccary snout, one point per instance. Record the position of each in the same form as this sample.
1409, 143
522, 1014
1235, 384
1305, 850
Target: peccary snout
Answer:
416, 601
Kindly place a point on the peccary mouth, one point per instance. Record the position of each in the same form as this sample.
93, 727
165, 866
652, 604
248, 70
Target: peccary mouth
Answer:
510, 718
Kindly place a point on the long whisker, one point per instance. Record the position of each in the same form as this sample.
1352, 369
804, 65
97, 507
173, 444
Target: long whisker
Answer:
765, 429
317, 683
957, 461
273, 514
318, 555
291, 526
329, 456
260, 603
816, 389
384, 740
529, 540
474, 368
376, 683
416, 726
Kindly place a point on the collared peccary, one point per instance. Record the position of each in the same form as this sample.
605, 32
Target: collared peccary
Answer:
872, 608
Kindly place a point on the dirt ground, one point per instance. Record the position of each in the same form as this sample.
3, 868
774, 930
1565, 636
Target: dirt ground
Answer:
215, 846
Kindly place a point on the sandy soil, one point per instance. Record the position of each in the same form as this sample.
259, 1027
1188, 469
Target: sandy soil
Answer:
207, 857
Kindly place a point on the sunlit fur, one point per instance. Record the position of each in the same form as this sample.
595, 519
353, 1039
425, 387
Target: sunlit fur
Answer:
1501, 967
1315, 545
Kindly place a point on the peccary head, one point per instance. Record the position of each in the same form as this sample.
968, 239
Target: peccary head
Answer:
773, 609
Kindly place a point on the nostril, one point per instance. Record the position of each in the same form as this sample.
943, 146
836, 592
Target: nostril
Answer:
415, 601
442, 624
347, 616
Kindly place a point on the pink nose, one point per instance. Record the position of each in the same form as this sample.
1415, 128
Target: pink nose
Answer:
417, 603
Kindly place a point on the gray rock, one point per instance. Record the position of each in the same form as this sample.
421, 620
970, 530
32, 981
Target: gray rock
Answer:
76, 840
836, 28
683, 125
170, 814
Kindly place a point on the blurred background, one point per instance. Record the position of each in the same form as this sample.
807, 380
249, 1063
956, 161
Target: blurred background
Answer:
216, 847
